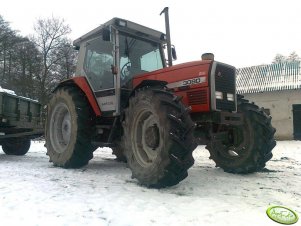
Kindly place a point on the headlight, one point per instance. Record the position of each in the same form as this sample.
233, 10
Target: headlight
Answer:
230, 96
218, 95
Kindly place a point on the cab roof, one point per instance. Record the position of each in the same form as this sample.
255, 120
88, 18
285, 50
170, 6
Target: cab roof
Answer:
125, 26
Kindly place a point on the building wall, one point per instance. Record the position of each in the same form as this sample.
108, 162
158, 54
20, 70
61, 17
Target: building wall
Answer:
280, 105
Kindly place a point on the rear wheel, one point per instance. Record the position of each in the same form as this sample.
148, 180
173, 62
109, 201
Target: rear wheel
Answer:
158, 138
249, 146
16, 146
69, 128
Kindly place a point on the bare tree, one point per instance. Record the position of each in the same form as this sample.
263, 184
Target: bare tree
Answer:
33, 67
8, 38
27, 65
293, 57
279, 58
68, 57
50, 35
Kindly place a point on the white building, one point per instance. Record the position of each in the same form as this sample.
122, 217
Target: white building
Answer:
277, 88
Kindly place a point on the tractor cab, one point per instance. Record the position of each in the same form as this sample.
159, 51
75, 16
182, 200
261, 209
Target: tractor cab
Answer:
112, 54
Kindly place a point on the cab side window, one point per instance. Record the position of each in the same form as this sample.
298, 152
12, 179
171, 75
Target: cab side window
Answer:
97, 64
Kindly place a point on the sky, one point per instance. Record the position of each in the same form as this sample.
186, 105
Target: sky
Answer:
240, 33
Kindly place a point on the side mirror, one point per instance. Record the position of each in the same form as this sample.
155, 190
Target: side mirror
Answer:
106, 34
173, 53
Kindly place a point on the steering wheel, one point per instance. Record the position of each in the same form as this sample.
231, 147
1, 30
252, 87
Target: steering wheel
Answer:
125, 70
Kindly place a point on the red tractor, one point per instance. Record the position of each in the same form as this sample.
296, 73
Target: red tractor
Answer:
151, 114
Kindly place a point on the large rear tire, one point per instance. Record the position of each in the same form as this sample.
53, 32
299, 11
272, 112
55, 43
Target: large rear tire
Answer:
16, 146
69, 128
158, 138
251, 145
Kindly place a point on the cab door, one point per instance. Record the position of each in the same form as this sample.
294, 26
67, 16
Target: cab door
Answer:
98, 61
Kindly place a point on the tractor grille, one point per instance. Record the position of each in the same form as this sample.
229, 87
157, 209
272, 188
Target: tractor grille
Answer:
197, 97
225, 83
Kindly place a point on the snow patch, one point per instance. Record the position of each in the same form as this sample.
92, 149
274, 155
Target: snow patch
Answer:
34, 192
13, 93
7, 91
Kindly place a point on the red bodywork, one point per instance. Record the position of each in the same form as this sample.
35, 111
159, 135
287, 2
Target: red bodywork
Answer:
196, 95
82, 83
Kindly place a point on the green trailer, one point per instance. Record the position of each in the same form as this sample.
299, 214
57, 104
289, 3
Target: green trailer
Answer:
20, 121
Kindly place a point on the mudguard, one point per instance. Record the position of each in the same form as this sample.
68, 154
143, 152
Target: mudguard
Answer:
82, 83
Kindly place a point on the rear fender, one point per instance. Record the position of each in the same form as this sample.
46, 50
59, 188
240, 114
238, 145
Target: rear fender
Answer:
82, 84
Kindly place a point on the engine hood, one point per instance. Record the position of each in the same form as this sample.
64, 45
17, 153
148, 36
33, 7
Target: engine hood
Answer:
177, 72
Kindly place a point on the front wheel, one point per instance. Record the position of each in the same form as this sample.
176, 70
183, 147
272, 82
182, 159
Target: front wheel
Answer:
249, 146
158, 138
16, 146
69, 128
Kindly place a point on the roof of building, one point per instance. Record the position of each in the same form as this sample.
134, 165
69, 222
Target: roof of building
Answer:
272, 77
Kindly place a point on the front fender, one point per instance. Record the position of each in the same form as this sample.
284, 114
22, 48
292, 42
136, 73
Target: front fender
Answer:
150, 83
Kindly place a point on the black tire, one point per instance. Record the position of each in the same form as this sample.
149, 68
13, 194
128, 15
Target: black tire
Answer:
158, 138
117, 150
16, 146
254, 142
69, 128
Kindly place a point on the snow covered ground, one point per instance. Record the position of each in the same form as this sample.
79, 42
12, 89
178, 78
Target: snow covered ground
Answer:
33, 192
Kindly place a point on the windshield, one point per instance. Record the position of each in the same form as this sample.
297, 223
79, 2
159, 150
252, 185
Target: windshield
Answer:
138, 56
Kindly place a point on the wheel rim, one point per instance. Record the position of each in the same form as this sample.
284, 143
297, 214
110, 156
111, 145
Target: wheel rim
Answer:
240, 147
146, 138
60, 128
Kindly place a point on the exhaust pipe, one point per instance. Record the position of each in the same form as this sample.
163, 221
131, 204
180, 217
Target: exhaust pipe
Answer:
165, 11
